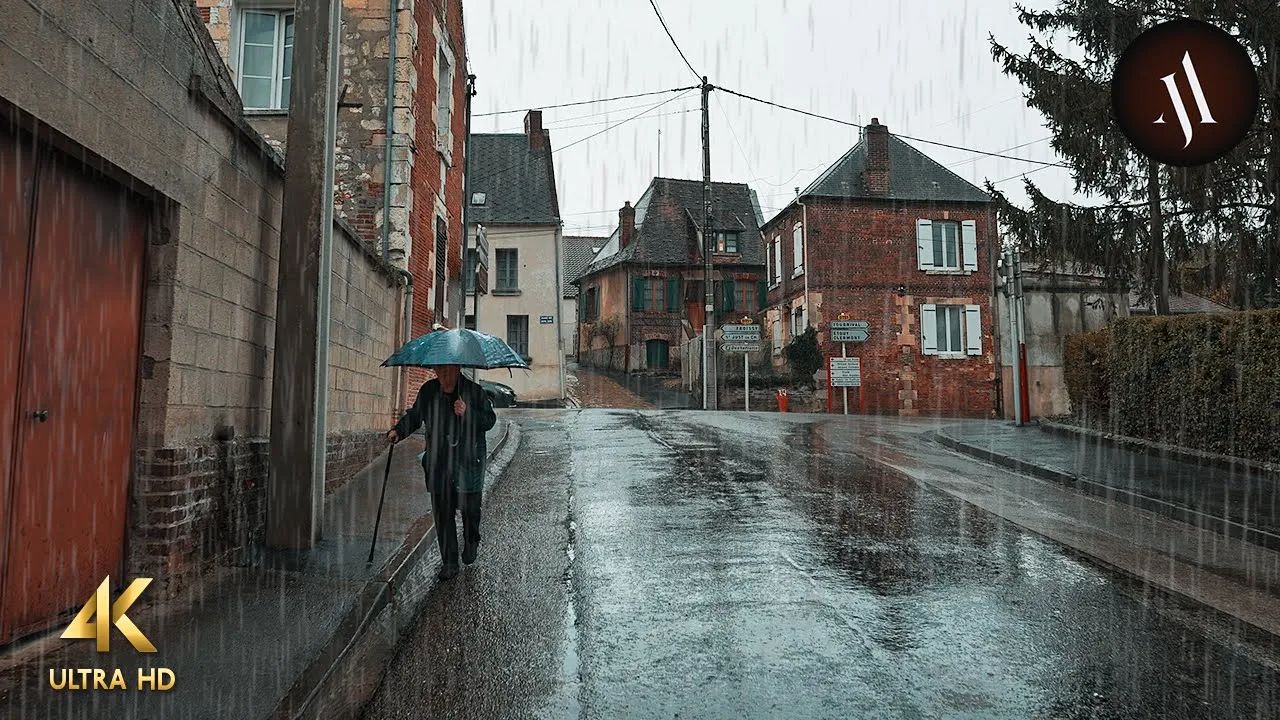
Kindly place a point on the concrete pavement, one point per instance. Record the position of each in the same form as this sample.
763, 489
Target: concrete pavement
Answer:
673, 564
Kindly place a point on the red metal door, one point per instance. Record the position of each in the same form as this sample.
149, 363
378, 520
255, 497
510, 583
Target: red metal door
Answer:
75, 409
17, 174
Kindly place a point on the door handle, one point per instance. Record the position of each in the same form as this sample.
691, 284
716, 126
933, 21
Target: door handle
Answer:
41, 415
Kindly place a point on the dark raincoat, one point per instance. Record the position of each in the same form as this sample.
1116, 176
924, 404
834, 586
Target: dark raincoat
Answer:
456, 444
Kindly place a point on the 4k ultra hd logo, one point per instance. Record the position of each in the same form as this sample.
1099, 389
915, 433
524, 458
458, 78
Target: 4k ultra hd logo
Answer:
1184, 93
94, 622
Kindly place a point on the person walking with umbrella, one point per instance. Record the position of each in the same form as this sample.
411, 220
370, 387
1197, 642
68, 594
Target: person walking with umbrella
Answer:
457, 413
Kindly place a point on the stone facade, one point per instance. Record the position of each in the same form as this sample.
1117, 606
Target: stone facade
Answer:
862, 261
151, 100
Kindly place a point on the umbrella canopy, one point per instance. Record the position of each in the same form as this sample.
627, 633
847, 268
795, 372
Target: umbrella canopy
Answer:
468, 348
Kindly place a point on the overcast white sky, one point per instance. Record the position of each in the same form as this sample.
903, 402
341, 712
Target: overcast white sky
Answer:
922, 66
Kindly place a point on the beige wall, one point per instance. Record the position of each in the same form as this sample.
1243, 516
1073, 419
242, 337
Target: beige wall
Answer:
535, 246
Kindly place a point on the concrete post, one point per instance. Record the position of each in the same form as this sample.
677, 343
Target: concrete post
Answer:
295, 490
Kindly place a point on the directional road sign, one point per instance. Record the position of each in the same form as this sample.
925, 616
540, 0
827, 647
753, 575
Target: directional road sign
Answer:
846, 372
740, 346
849, 335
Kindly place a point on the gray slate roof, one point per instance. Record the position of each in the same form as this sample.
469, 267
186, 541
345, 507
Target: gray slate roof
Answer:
911, 177
668, 216
518, 183
577, 255
1184, 303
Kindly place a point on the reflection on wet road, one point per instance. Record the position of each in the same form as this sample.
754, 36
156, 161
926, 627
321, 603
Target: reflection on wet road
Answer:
644, 564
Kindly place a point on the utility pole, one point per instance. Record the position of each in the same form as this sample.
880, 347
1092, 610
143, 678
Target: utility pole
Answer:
300, 369
709, 381
466, 207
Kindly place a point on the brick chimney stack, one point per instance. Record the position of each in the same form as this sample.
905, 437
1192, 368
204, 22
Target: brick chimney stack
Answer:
877, 173
626, 225
533, 129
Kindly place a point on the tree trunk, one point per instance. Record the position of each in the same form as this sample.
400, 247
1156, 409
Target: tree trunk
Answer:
1159, 260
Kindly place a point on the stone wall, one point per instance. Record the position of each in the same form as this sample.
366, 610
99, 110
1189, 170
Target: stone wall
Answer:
151, 100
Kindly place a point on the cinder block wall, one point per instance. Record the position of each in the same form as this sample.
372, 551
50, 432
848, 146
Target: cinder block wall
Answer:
152, 100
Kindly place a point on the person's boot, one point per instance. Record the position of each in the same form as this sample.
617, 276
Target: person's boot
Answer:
449, 572
469, 551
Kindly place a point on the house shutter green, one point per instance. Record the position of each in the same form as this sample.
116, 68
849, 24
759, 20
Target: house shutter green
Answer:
727, 301
637, 293
595, 304
762, 292
673, 293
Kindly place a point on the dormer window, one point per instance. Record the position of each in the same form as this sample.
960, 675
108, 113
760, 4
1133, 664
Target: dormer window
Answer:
726, 242
478, 198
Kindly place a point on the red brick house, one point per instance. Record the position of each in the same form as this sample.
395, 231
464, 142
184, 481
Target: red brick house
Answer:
646, 283
891, 237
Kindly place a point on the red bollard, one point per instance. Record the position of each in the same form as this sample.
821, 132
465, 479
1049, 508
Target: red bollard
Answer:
783, 401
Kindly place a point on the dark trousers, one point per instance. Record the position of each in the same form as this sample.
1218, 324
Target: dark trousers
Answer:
446, 501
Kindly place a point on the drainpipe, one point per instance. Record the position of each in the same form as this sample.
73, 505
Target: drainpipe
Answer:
406, 331
556, 313
804, 247
466, 205
390, 127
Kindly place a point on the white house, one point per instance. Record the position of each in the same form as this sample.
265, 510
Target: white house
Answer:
513, 197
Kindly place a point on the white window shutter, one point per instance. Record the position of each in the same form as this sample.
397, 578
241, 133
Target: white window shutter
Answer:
777, 260
973, 329
929, 328
924, 244
969, 249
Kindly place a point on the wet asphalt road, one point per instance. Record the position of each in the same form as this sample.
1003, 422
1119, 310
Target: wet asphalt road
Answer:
640, 564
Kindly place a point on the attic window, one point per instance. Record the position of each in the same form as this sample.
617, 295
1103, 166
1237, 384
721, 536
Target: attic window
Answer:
594, 249
478, 198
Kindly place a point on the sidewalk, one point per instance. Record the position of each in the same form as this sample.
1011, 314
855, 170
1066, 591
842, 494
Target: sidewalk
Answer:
296, 634
1238, 502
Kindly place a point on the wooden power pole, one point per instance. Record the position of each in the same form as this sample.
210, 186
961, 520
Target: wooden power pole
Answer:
709, 354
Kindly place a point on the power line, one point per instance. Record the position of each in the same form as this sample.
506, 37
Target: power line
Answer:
585, 102
584, 139
606, 122
904, 137
658, 12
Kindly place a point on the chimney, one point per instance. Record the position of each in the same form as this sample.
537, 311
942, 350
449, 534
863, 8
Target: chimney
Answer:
877, 173
533, 129
626, 225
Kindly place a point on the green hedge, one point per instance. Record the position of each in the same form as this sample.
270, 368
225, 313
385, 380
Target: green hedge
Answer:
1204, 381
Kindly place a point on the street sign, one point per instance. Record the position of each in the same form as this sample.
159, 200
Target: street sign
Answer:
547, 319
849, 335
846, 372
850, 325
741, 333
740, 346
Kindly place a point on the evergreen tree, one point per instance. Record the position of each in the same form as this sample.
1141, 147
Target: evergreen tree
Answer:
1220, 219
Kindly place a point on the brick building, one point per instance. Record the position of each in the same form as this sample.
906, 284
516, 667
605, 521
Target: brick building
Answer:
423, 230
137, 304
642, 296
889, 236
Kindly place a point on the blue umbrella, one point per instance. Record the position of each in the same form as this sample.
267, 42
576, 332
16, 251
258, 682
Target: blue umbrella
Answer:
468, 348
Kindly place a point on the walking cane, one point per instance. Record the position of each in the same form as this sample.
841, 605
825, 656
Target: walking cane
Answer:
381, 499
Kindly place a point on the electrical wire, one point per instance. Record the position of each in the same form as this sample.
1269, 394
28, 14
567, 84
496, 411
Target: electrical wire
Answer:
584, 102
904, 137
606, 122
588, 137
658, 12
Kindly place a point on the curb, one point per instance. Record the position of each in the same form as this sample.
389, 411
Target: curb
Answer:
348, 668
1222, 526
1177, 452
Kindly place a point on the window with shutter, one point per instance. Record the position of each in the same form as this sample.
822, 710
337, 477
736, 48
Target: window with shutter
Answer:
973, 329
638, 287
928, 329
762, 294
969, 245
797, 250
924, 244
777, 259
673, 294
727, 303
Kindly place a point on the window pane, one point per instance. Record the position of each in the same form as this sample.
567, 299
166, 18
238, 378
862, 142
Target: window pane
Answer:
951, 249
258, 61
938, 241
260, 28
285, 88
256, 92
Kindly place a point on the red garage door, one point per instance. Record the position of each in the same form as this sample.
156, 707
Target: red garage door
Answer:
71, 259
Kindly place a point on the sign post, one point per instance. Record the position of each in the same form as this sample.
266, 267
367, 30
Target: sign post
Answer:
845, 331
744, 338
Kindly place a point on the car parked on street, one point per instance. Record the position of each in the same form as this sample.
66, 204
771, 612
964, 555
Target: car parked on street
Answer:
500, 395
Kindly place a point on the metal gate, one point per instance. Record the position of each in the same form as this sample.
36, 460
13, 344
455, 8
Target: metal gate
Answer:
71, 262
